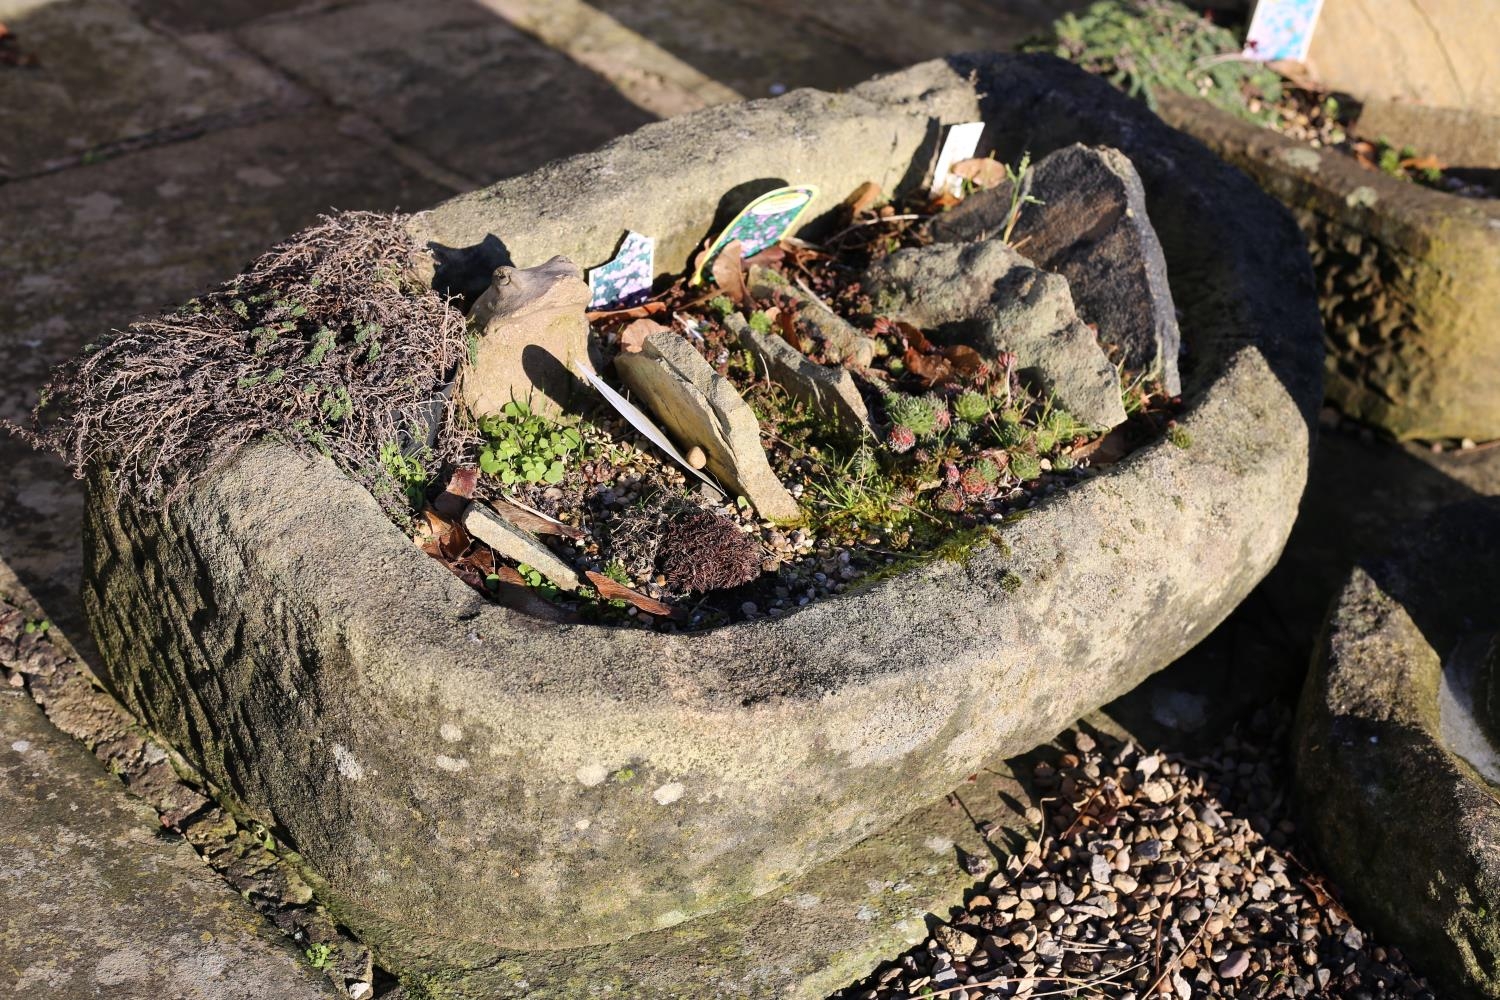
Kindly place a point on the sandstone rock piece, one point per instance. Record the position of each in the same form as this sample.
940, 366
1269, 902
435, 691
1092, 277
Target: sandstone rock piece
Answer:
990, 297
531, 328
1092, 228
830, 392
702, 409
842, 342
514, 543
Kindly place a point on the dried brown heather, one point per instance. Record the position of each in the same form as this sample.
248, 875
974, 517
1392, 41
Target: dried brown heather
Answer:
326, 342
703, 551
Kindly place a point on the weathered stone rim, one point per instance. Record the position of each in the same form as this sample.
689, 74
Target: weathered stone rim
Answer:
790, 739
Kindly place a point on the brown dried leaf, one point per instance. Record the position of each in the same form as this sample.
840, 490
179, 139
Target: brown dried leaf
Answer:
529, 520
440, 537
863, 198
455, 496
982, 171
729, 272
634, 312
930, 368
964, 359
633, 337
614, 591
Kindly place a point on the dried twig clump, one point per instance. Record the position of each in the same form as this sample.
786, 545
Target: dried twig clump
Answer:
326, 342
704, 551
695, 550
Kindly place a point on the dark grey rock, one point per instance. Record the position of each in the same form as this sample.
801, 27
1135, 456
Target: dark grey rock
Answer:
1091, 227
317, 684
100, 901
988, 296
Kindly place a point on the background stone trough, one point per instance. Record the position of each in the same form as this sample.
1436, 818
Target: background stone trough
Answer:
1397, 744
482, 795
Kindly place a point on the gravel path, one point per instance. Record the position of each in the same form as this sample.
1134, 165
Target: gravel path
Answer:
1154, 876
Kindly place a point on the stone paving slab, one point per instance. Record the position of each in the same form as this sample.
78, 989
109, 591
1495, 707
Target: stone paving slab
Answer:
100, 902
104, 77
92, 247
452, 79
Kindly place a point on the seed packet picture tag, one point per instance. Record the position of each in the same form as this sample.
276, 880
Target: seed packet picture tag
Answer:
624, 281
1282, 29
761, 223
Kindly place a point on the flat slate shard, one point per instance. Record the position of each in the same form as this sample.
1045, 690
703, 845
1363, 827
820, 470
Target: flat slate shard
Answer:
532, 328
988, 296
842, 342
516, 543
1092, 228
830, 391
701, 408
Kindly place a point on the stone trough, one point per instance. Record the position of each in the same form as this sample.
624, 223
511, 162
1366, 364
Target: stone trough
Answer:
1408, 276
491, 799
1398, 745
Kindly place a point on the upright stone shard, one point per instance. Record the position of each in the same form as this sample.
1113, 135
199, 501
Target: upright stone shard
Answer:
842, 342
1092, 228
988, 296
532, 328
701, 408
829, 391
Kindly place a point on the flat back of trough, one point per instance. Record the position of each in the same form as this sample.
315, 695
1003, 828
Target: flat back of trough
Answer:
463, 778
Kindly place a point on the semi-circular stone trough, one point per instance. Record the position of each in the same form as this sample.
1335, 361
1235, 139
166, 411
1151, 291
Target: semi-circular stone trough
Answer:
1398, 747
467, 781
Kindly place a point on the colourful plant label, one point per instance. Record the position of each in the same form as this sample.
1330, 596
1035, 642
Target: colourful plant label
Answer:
762, 223
624, 281
1282, 29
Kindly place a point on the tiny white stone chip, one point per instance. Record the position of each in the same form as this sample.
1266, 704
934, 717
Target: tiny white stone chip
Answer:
592, 774
450, 733
668, 793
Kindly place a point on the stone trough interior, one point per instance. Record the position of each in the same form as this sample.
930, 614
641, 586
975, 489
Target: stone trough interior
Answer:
463, 782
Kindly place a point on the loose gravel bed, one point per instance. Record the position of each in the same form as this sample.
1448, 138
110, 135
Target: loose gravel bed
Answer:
1153, 876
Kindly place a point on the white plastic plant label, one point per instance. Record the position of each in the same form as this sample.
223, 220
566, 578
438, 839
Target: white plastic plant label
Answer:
959, 144
1282, 29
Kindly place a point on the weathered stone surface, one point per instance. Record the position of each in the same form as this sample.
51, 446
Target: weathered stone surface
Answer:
1092, 228
532, 330
513, 543
830, 391
702, 409
1434, 52
1396, 780
466, 781
841, 341
988, 296
1456, 137
801, 941
1409, 279
100, 902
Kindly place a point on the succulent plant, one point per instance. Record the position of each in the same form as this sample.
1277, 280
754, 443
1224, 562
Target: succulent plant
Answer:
949, 499
915, 413
971, 407
901, 439
1025, 466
